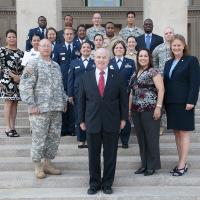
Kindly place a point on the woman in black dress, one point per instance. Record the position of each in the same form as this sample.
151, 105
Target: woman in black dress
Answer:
181, 78
10, 72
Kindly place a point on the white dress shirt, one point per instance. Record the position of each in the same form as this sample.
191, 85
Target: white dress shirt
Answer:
97, 74
28, 55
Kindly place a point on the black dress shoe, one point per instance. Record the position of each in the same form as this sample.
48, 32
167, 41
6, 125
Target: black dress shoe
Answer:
93, 190
141, 170
149, 172
125, 146
107, 190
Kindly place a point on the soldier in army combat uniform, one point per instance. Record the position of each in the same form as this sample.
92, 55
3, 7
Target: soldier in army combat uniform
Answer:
42, 89
96, 28
130, 29
161, 53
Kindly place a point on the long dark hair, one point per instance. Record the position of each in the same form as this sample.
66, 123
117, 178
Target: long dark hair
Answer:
150, 59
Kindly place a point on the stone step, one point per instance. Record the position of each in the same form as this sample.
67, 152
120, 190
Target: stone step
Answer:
166, 138
21, 129
74, 179
20, 121
120, 193
81, 162
72, 150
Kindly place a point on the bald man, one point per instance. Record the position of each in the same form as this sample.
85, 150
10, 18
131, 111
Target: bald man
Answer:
103, 110
41, 87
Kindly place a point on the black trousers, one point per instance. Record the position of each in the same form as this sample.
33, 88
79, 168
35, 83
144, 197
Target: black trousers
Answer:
110, 143
125, 133
68, 120
147, 131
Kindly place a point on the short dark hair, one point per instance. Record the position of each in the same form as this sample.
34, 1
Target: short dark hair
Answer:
81, 25
42, 17
150, 58
11, 31
98, 34
131, 36
86, 42
109, 23
130, 12
68, 16
119, 42
35, 34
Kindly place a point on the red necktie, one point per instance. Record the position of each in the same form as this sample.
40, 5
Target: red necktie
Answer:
101, 84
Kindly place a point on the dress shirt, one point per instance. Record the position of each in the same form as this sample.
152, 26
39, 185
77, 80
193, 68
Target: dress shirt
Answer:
67, 44
85, 61
97, 74
119, 61
174, 63
28, 55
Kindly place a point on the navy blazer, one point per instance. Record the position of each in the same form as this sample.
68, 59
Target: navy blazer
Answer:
77, 69
126, 70
102, 112
62, 57
155, 41
30, 35
183, 86
78, 43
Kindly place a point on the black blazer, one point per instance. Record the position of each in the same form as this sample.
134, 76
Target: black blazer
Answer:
102, 112
183, 86
155, 41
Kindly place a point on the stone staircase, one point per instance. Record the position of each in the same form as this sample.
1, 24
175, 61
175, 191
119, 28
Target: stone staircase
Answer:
17, 181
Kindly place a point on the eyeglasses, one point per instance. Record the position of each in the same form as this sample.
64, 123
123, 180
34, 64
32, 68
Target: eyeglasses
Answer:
45, 46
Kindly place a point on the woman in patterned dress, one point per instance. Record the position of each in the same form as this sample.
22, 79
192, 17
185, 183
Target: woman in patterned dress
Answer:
147, 91
10, 72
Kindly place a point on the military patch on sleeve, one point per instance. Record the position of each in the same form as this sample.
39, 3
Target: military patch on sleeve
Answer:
25, 76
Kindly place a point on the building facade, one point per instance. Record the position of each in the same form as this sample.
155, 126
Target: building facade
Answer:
111, 10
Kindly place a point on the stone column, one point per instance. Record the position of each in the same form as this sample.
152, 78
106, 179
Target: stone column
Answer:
28, 12
171, 13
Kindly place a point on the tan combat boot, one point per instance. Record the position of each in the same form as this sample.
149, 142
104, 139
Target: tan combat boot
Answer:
49, 168
39, 171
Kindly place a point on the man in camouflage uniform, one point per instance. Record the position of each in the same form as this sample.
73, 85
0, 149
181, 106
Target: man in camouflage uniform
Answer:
96, 28
42, 89
161, 53
130, 29
110, 38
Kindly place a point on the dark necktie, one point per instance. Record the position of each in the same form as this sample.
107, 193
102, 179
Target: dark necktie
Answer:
148, 41
101, 84
43, 33
69, 50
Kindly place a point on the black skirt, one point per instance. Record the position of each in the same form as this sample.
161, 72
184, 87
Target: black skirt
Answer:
178, 118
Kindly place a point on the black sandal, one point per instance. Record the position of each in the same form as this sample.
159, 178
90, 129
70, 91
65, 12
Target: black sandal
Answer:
180, 172
15, 133
10, 133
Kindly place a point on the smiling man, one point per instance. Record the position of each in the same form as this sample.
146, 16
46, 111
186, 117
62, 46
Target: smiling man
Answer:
103, 110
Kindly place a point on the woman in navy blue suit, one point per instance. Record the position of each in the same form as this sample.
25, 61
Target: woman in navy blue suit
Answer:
181, 78
78, 67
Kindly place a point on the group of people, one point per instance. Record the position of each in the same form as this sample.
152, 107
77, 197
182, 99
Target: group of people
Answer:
93, 83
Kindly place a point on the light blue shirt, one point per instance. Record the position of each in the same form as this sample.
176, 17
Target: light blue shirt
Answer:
174, 63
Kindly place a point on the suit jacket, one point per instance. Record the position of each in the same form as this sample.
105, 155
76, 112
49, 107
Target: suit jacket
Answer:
62, 57
126, 70
183, 86
77, 69
102, 112
78, 43
155, 41
30, 35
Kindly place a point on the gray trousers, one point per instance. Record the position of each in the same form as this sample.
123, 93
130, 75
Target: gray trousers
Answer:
147, 131
46, 130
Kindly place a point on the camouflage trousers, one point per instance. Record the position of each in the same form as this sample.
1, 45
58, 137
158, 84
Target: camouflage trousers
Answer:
46, 130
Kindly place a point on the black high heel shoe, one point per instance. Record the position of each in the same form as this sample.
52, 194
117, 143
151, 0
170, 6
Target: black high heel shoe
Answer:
180, 172
173, 170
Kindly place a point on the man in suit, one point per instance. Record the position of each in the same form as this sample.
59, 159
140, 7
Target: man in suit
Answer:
103, 111
81, 37
68, 22
40, 30
63, 54
148, 40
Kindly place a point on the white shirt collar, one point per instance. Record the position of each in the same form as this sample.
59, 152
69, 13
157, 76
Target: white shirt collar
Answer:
97, 71
116, 58
150, 34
